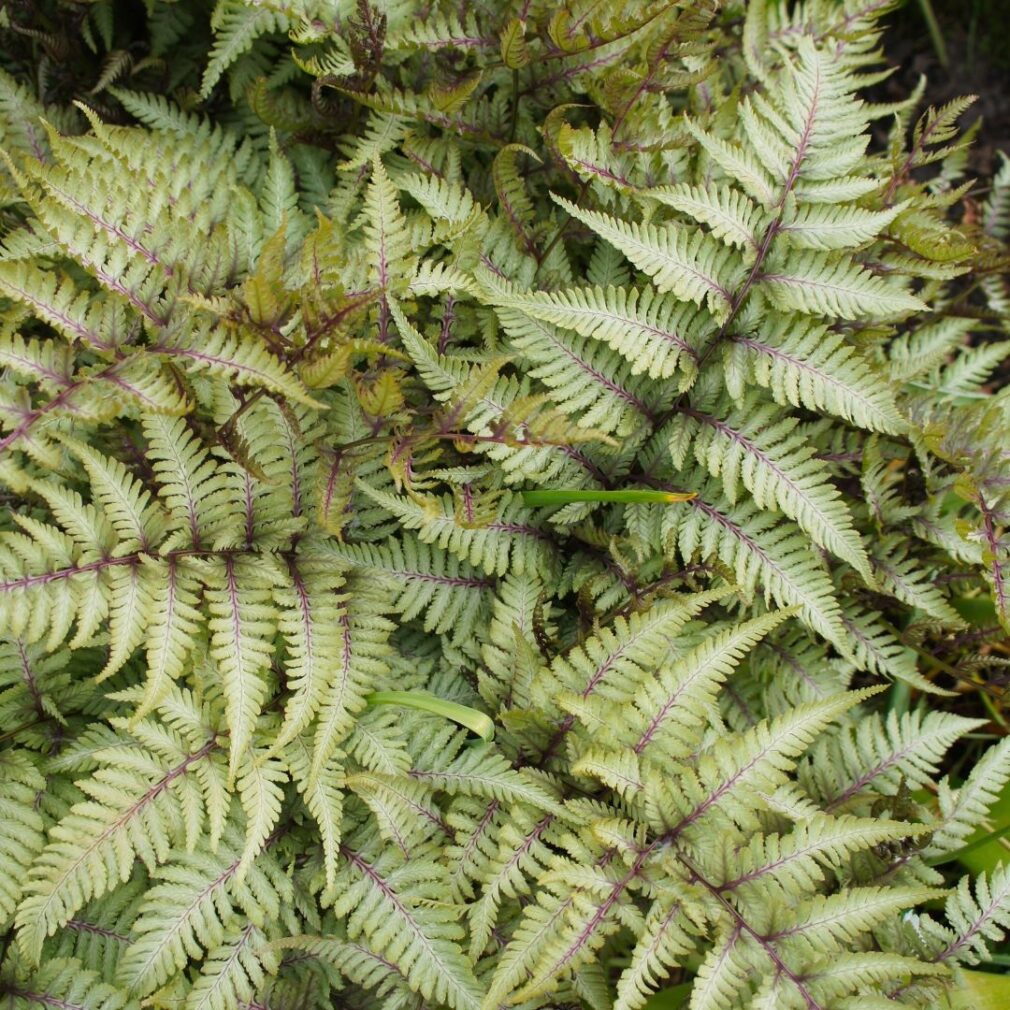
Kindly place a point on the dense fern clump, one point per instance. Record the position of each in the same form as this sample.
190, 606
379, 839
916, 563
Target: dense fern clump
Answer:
281, 356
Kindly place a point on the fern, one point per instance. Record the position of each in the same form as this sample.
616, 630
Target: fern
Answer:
591, 377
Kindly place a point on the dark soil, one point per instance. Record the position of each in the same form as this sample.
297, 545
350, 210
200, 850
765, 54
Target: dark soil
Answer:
976, 35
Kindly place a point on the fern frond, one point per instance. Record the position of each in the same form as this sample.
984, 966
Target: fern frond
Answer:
259, 785
522, 854
770, 458
659, 949
656, 333
22, 834
510, 541
978, 919
311, 625
582, 377
131, 814
821, 226
614, 661
481, 772
388, 242
876, 755
391, 911
962, 807
689, 264
235, 972
450, 594
673, 707
729, 214
758, 765
241, 625
760, 551
363, 639
354, 960
99, 323
806, 365
815, 284
323, 797
241, 358
236, 27
65, 982
192, 906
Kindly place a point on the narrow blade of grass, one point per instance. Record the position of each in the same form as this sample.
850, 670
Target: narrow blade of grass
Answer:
476, 722
624, 497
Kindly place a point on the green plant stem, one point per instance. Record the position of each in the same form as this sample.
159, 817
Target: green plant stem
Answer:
629, 497
950, 857
994, 713
935, 32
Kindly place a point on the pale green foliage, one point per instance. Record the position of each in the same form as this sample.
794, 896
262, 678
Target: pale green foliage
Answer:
22, 836
65, 982
273, 388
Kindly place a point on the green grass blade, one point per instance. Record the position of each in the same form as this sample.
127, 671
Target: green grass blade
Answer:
535, 498
476, 722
